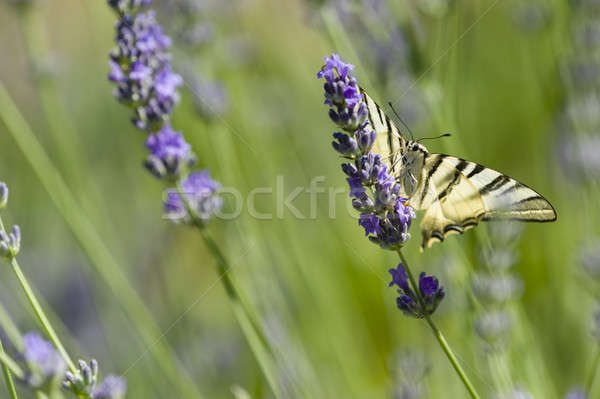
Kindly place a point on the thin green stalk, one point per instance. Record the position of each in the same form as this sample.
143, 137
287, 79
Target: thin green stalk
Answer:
257, 341
39, 312
93, 246
589, 383
438, 334
252, 331
10, 385
11, 365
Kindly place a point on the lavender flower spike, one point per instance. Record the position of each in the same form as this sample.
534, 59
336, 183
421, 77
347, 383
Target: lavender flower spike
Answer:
140, 66
3, 195
430, 291
201, 198
384, 214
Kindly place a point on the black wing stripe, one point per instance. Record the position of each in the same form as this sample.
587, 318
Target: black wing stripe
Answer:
462, 165
495, 184
390, 143
435, 167
528, 199
457, 227
450, 185
478, 169
510, 189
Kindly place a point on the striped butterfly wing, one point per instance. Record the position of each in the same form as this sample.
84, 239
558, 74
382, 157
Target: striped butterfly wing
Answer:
458, 194
389, 141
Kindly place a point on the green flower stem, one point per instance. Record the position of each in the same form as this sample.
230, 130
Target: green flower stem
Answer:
94, 247
438, 334
256, 340
252, 331
11, 365
10, 385
39, 312
589, 384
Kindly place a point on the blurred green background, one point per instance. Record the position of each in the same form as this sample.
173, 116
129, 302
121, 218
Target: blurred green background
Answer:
501, 76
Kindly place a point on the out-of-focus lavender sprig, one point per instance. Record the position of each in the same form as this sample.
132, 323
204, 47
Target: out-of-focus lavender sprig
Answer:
112, 387
46, 365
579, 124
140, 65
3, 195
10, 243
141, 68
495, 286
200, 197
84, 381
411, 369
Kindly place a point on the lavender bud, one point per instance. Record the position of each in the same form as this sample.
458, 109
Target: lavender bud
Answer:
3, 195
431, 293
365, 139
83, 382
10, 244
169, 154
345, 144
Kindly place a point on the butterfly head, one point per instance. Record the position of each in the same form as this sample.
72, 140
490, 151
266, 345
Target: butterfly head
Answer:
416, 147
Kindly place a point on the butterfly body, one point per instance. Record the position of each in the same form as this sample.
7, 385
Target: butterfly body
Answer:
455, 194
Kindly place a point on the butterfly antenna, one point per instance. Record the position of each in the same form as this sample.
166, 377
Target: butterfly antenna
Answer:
401, 121
433, 138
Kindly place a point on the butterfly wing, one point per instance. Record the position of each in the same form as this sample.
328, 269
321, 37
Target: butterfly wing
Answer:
458, 194
389, 141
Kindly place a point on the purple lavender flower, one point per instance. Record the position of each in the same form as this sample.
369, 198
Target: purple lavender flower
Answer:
140, 66
399, 277
112, 387
201, 198
431, 293
384, 214
169, 153
10, 244
370, 222
3, 195
82, 383
394, 226
47, 367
